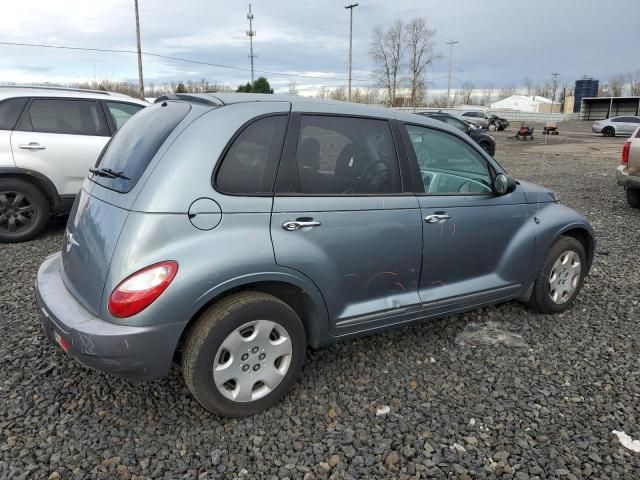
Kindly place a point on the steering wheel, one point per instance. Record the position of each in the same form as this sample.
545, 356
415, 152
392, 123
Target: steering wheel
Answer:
465, 187
375, 176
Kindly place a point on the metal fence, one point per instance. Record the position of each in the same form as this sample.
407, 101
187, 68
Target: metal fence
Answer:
511, 115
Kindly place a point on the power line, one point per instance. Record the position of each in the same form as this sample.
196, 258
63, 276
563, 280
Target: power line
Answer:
178, 59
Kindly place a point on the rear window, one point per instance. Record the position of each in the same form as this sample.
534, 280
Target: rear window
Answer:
134, 145
10, 111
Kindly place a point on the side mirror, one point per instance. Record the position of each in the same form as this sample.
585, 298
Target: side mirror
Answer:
504, 184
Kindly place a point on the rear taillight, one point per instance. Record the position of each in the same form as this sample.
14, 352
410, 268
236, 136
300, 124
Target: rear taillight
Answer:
625, 152
138, 291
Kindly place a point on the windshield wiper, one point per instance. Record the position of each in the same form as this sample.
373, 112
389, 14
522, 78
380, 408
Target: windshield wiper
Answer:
108, 172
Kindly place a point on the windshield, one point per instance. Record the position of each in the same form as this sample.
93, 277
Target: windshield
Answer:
130, 151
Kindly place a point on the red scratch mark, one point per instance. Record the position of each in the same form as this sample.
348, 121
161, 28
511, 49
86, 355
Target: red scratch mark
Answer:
378, 275
126, 343
439, 282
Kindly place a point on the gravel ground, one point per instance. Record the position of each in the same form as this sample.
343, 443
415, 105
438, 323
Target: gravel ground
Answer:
499, 392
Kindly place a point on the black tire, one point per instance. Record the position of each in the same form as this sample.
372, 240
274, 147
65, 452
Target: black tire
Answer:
608, 132
540, 298
210, 331
486, 147
633, 197
24, 210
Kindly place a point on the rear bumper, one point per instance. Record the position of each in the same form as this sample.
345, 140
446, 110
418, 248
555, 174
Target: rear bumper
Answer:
625, 180
142, 353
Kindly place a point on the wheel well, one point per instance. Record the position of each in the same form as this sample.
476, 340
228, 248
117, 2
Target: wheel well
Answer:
52, 197
294, 296
586, 240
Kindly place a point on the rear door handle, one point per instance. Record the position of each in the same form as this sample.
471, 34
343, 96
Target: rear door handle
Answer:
32, 146
291, 225
436, 217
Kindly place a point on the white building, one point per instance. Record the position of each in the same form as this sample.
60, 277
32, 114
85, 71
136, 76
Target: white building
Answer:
526, 103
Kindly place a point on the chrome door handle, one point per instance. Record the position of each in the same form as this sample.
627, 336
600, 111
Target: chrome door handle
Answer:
436, 217
32, 146
291, 225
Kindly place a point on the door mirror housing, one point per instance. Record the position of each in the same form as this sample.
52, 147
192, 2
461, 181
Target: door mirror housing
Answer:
504, 184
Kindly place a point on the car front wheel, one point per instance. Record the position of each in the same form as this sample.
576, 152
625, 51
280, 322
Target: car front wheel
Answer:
243, 354
608, 132
560, 278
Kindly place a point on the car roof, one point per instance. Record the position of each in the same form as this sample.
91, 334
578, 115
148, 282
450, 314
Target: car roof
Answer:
9, 91
306, 104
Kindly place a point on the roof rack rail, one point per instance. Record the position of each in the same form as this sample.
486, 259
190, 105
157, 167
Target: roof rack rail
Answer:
64, 89
189, 98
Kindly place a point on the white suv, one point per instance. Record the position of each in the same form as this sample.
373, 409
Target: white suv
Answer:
49, 137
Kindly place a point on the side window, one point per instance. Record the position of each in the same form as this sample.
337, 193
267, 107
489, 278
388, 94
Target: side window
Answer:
346, 156
250, 165
633, 119
619, 119
121, 112
454, 122
73, 117
10, 110
447, 164
468, 114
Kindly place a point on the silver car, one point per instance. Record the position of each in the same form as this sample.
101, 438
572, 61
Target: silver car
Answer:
232, 231
613, 126
628, 172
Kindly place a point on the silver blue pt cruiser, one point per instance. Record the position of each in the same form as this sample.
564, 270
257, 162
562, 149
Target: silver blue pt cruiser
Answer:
229, 232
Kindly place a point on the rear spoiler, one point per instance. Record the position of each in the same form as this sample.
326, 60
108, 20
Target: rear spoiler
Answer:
202, 99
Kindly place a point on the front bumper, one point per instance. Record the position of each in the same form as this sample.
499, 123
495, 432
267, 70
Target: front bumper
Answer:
624, 179
142, 353
596, 129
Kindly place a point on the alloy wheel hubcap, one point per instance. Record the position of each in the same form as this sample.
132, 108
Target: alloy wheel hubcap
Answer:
252, 361
564, 277
16, 212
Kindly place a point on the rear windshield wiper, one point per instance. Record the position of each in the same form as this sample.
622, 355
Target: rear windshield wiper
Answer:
107, 172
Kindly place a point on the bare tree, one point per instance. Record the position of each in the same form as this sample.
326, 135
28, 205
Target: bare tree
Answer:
506, 91
634, 83
339, 93
293, 88
323, 92
466, 91
528, 85
487, 95
386, 53
617, 84
420, 50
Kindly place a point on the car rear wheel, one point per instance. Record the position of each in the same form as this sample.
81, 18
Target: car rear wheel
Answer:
633, 197
243, 354
24, 210
608, 132
560, 278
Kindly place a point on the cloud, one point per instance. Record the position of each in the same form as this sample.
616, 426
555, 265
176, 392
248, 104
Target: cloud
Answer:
499, 44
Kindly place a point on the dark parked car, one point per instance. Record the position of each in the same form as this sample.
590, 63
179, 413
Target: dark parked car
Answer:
231, 231
482, 138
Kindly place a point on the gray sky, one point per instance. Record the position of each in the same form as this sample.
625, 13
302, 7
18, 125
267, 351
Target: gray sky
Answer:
500, 43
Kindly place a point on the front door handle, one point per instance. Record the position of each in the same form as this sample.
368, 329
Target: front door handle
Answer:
291, 225
436, 217
32, 146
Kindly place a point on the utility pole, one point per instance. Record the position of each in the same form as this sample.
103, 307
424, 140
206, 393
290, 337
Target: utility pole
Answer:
451, 43
555, 87
350, 8
140, 80
251, 33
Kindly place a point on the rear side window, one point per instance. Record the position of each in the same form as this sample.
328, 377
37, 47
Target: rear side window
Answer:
65, 116
131, 149
121, 112
250, 164
10, 110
